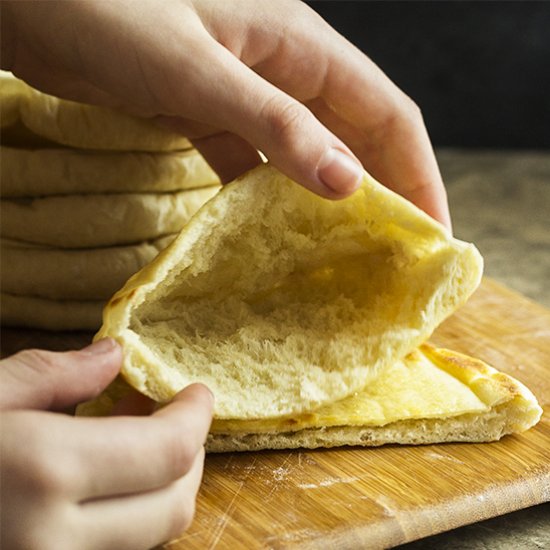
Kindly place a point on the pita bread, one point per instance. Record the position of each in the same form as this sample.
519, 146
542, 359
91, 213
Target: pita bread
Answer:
19, 136
13, 132
41, 313
39, 172
12, 91
281, 301
85, 221
72, 274
91, 127
433, 395
76, 124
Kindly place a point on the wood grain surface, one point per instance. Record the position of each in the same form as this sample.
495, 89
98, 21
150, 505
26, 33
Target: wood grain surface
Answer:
379, 497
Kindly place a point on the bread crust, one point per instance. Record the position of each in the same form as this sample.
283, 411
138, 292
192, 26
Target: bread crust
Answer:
72, 274
78, 125
510, 408
98, 220
64, 171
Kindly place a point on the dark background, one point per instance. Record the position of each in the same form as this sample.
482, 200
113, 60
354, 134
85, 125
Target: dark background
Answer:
479, 70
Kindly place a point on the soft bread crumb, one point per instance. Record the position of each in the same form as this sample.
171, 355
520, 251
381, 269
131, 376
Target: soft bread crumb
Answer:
281, 301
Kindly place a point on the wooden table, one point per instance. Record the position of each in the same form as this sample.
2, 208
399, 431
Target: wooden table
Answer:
380, 497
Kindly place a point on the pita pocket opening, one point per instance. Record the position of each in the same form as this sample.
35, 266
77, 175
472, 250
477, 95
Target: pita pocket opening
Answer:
308, 319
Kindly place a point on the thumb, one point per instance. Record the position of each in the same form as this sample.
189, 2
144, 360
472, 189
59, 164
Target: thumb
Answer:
39, 379
282, 128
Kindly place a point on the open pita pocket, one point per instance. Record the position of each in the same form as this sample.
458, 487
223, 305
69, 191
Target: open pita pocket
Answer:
282, 301
42, 313
84, 221
40, 172
433, 395
72, 274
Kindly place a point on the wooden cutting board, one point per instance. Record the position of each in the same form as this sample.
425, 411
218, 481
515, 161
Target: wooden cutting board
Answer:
380, 497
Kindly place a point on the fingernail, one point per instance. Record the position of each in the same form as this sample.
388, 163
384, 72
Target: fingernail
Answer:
339, 172
105, 345
212, 397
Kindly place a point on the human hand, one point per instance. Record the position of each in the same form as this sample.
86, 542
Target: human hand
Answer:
117, 482
235, 77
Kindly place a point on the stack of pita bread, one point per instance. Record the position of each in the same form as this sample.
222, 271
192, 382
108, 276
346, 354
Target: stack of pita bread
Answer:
89, 196
308, 319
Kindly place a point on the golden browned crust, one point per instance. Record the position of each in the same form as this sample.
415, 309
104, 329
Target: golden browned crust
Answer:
491, 386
